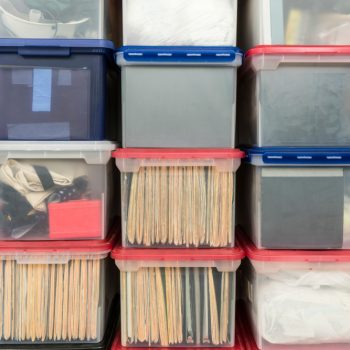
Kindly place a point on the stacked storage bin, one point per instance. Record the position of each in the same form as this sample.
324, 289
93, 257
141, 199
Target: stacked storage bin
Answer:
297, 299
54, 294
294, 188
178, 258
55, 173
178, 297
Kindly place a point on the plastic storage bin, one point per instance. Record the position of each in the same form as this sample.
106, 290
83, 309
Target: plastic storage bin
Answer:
41, 19
54, 292
298, 299
296, 198
180, 297
178, 22
178, 198
295, 96
54, 190
294, 22
179, 97
55, 89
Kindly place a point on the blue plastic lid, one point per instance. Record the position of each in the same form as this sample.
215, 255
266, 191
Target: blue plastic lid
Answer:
298, 155
60, 47
179, 54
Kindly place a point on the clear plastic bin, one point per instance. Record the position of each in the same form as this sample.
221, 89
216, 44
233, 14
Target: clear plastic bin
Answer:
55, 191
296, 198
42, 19
180, 297
65, 89
297, 299
54, 292
178, 198
295, 96
180, 23
179, 97
294, 22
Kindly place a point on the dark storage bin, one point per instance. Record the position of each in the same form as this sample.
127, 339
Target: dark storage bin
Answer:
295, 198
55, 89
179, 97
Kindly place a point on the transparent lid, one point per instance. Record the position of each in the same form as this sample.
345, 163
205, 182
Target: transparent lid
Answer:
56, 146
87, 46
93, 152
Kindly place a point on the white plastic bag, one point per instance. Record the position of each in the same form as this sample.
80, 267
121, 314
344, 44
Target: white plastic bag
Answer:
180, 22
305, 307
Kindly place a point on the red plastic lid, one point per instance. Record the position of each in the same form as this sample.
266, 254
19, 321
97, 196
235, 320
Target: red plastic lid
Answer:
171, 153
184, 254
314, 256
298, 50
59, 247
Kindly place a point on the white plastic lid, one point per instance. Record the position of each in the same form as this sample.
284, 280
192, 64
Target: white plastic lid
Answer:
93, 152
56, 146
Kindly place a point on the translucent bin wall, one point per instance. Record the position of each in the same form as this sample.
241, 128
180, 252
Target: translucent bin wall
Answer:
293, 22
177, 299
295, 96
55, 191
54, 295
78, 19
175, 198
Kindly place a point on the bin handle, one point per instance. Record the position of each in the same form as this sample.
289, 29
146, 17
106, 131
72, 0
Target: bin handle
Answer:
44, 51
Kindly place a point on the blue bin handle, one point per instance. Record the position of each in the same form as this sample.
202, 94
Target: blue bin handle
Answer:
44, 51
